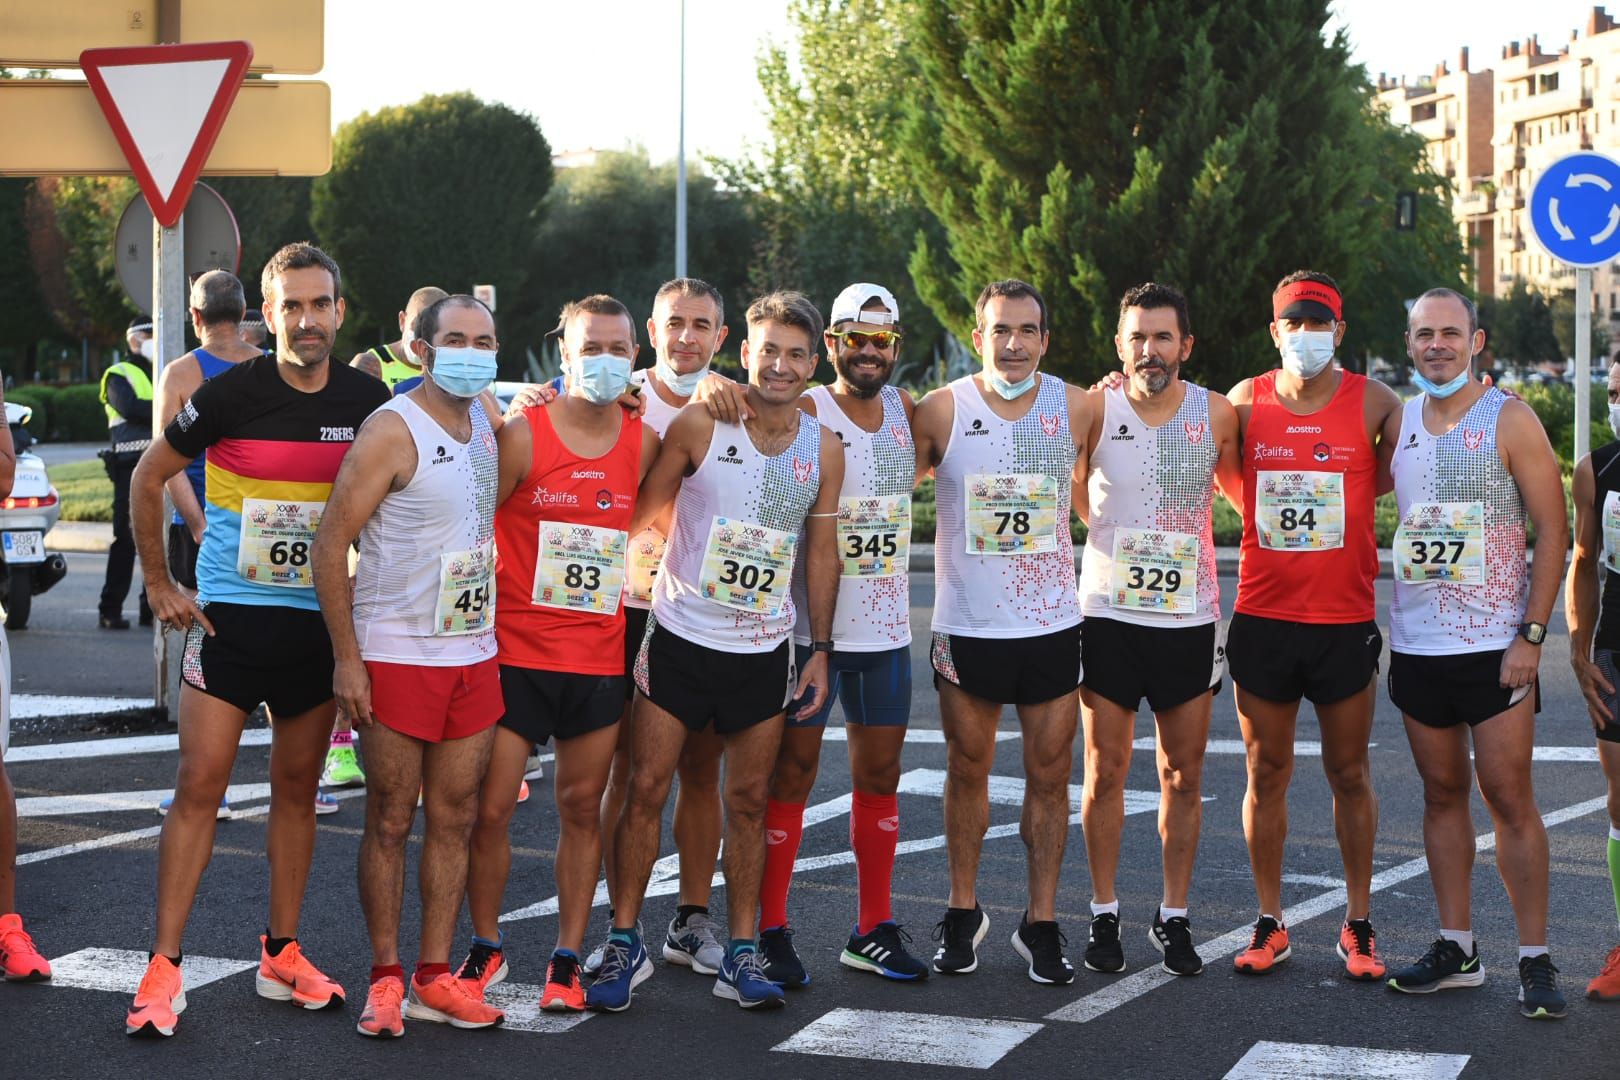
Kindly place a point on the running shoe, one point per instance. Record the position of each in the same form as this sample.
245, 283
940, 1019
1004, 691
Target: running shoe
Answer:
744, 980
1539, 996
381, 1018
781, 960
523, 792
483, 968
19, 960
593, 962
883, 950
959, 934
1606, 985
1103, 951
1173, 938
1268, 947
1444, 967
159, 1000
691, 943
534, 768
1358, 948
223, 814
342, 768
445, 1000
562, 992
1041, 946
625, 966
291, 977
325, 804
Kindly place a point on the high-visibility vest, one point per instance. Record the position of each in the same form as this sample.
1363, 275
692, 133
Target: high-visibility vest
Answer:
139, 381
394, 371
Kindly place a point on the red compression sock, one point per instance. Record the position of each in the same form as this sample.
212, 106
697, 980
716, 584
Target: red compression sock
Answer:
874, 830
784, 825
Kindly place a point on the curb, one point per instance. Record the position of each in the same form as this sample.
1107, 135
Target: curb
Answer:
80, 536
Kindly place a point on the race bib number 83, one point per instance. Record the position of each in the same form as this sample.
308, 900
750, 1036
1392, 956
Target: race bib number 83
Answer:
580, 567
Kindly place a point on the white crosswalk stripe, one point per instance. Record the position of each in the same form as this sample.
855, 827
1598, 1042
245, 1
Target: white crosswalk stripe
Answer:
913, 1038
120, 970
1307, 1061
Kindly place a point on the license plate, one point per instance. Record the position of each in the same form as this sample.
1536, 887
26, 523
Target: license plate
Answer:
23, 547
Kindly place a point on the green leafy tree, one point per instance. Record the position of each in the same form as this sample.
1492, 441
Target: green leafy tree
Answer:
441, 192
75, 264
1086, 145
1522, 328
1563, 319
24, 318
270, 211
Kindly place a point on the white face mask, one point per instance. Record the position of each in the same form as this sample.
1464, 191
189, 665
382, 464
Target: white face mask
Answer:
1614, 420
148, 348
1305, 352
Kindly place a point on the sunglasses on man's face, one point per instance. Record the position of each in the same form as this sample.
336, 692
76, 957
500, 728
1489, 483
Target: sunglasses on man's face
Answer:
855, 339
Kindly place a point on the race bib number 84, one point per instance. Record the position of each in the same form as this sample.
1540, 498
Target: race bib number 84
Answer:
275, 542
1299, 511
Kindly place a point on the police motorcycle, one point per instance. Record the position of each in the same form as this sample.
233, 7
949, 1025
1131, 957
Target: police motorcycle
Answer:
26, 515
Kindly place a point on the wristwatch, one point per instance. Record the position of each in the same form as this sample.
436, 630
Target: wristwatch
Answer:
821, 646
1533, 632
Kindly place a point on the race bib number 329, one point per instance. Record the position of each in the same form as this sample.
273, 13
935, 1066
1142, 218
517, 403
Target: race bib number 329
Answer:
275, 542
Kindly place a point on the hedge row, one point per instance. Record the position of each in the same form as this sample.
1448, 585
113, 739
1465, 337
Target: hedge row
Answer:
63, 413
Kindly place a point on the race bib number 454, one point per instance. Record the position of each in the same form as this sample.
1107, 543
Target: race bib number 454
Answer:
1441, 542
275, 542
747, 566
466, 601
1011, 514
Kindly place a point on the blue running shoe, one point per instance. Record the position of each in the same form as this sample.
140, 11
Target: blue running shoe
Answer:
325, 804
625, 966
224, 813
742, 979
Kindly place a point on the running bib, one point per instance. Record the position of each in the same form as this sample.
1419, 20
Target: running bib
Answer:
1299, 511
1611, 531
1011, 515
580, 567
466, 601
275, 542
1441, 542
646, 556
1154, 570
747, 566
874, 535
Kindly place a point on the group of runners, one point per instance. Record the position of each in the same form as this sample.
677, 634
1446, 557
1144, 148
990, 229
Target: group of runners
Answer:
661, 570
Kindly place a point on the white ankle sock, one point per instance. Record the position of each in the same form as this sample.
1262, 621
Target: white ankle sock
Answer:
1463, 938
1526, 951
1166, 913
1110, 908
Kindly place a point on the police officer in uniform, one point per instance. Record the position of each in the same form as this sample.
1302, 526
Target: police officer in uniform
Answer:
126, 394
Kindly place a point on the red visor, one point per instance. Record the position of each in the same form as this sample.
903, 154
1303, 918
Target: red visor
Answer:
1303, 296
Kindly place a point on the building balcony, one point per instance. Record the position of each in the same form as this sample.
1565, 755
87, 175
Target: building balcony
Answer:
1510, 198
1473, 204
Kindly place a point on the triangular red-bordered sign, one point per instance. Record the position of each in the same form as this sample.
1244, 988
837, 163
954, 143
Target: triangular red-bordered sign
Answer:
166, 105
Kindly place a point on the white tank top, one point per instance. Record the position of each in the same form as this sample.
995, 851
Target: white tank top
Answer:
1004, 486
1150, 492
726, 582
874, 529
1460, 577
646, 551
425, 587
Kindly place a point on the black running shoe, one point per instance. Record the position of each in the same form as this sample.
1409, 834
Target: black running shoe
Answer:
1444, 967
1041, 944
1173, 938
1539, 996
959, 934
1103, 950
883, 950
781, 961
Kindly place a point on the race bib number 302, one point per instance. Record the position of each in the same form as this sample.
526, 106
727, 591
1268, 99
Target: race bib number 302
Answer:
580, 567
466, 601
1011, 514
747, 566
1299, 511
874, 535
1154, 570
1441, 542
275, 544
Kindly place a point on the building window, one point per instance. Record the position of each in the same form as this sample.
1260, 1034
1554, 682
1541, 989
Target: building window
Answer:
1549, 83
1426, 111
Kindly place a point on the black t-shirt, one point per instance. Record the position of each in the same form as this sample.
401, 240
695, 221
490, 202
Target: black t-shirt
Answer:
1606, 473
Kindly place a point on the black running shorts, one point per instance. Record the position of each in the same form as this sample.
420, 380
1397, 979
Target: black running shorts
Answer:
1126, 662
698, 685
1608, 662
1281, 660
541, 705
1009, 671
1463, 688
635, 628
281, 656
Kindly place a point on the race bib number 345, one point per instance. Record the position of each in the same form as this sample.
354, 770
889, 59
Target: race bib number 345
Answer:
747, 566
275, 542
1441, 542
874, 535
1299, 511
580, 567
1011, 514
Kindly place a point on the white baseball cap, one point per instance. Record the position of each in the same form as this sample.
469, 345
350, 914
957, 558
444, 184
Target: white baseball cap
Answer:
847, 308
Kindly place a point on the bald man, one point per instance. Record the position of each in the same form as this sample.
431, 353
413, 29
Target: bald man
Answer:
394, 363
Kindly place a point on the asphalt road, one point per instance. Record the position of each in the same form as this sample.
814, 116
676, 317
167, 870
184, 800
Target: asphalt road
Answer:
1139, 1024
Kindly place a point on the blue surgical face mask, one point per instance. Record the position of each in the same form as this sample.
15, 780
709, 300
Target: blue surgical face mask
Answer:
1306, 352
1009, 390
1441, 390
462, 371
680, 385
601, 377
1614, 420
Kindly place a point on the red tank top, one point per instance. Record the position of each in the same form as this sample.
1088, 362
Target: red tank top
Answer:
563, 488
1333, 584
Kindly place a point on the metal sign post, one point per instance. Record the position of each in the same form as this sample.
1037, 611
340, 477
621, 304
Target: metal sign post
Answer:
1583, 362
169, 335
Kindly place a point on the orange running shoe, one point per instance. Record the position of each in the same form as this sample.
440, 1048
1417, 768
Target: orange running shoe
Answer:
159, 1001
1358, 948
19, 960
1267, 948
523, 792
381, 1017
483, 968
446, 1000
1606, 987
291, 977
563, 992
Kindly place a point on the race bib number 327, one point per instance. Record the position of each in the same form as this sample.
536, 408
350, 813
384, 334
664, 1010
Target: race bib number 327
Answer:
1441, 542
275, 542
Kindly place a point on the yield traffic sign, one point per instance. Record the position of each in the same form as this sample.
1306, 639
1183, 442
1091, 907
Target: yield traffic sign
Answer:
1575, 209
166, 105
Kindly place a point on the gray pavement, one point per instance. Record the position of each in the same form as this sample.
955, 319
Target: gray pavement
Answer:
1139, 1024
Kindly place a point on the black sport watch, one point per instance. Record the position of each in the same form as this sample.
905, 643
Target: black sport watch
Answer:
821, 646
1533, 632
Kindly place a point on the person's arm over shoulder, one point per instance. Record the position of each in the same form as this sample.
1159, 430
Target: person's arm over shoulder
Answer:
1383, 408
